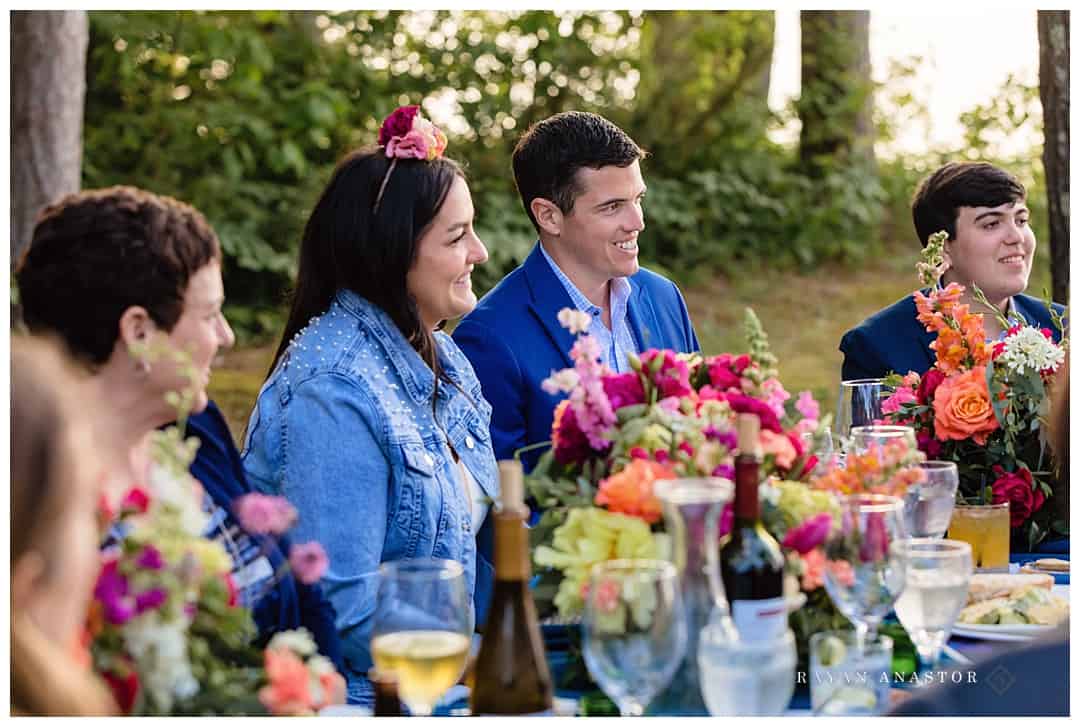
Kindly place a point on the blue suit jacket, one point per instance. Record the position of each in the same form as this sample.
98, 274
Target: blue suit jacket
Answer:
893, 339
514, 341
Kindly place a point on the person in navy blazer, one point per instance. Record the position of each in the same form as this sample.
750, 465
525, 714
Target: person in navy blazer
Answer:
580, 183
983, 209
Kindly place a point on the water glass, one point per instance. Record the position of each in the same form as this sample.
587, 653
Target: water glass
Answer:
421, 628
986, 529
875, 436
928, 505
859, 405
746, 678
634, 630
863, 575
819, 445
848, 678
938, 573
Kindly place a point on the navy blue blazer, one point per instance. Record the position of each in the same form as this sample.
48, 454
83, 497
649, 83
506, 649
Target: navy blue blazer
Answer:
514, 341
290, 604
893, 339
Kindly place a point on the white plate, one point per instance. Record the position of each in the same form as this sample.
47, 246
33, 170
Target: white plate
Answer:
1007, 632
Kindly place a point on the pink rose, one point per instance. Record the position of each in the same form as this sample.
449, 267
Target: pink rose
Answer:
813, 570
414, 145
903, 395
1017, 489
779, 446
623, 390
672, 377
809, 534
136, 500
398, 123
741, 403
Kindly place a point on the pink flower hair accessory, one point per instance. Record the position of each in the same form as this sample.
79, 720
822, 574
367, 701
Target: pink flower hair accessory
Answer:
406, 134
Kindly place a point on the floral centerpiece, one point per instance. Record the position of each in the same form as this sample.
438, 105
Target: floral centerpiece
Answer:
672, 415
165, 628
982, 403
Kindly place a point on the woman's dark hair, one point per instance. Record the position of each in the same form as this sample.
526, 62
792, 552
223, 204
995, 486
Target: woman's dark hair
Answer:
960, 184
96, 253
349, 244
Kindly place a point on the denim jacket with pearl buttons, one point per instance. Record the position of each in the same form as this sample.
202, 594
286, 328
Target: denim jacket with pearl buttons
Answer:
344, 429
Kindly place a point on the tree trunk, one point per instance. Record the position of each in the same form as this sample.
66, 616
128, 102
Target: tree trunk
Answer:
1054, 93
48, 88
836, 100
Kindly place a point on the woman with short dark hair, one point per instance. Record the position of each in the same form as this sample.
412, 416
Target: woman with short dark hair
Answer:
117, 273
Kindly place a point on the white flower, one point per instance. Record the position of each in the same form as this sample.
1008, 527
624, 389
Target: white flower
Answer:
160, 650
298, 641
561, 382
179, 493
577, 321
1028, 350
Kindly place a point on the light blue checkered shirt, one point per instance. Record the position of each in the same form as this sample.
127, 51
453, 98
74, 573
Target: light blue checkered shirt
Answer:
614, 346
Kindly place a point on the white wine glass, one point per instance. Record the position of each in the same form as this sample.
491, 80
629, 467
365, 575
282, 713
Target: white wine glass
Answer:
863, 575
859, 405
421, 628
634, 630
938, 574
820, 445
928, 505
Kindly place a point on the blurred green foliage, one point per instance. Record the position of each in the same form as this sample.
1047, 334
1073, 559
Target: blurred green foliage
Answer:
244, 114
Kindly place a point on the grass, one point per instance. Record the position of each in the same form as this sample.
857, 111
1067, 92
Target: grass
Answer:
804, 314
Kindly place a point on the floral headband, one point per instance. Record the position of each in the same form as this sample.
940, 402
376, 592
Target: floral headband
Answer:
406, 134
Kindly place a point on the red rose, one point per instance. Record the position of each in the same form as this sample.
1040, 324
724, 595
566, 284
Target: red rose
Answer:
136, 500
125, 689
1016, 488
930, 446
398, 123
928, 385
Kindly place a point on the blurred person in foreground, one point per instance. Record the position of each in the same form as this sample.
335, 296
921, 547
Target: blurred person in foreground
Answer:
1029, 679
371, 420
991, 244
54, 556
114, 270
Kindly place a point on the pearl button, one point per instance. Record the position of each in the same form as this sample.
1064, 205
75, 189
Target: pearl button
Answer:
469, 442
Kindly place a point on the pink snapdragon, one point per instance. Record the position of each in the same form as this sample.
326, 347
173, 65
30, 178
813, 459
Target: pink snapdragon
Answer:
775, 396
308, 561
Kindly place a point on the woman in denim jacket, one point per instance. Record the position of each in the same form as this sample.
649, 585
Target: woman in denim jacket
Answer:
371, 422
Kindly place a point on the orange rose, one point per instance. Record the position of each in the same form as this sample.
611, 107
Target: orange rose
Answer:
631, 490
288, 692
962, 408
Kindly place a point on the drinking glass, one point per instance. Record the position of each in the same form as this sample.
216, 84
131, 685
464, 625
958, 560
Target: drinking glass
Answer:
746, 678
634, 630
820, 446
986, 529
863, 575
421, 628
859, 405
873, 436
938, 572
928, 505
849, 677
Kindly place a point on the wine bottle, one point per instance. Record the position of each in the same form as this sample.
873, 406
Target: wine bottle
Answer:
511, 674
751, 563
387, 703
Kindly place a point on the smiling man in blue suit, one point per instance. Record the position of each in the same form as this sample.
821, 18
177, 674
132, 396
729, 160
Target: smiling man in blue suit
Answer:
983, 209
580, 182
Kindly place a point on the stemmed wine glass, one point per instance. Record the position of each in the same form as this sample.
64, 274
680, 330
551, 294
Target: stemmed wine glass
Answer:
928, 505
863, 575
859, 405
820, 445
634, 630
938, 572
421, 629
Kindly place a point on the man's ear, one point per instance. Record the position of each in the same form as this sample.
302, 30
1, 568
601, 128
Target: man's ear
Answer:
135, 326
548, 215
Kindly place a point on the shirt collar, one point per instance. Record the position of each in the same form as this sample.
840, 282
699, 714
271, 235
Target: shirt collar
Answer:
620, 287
